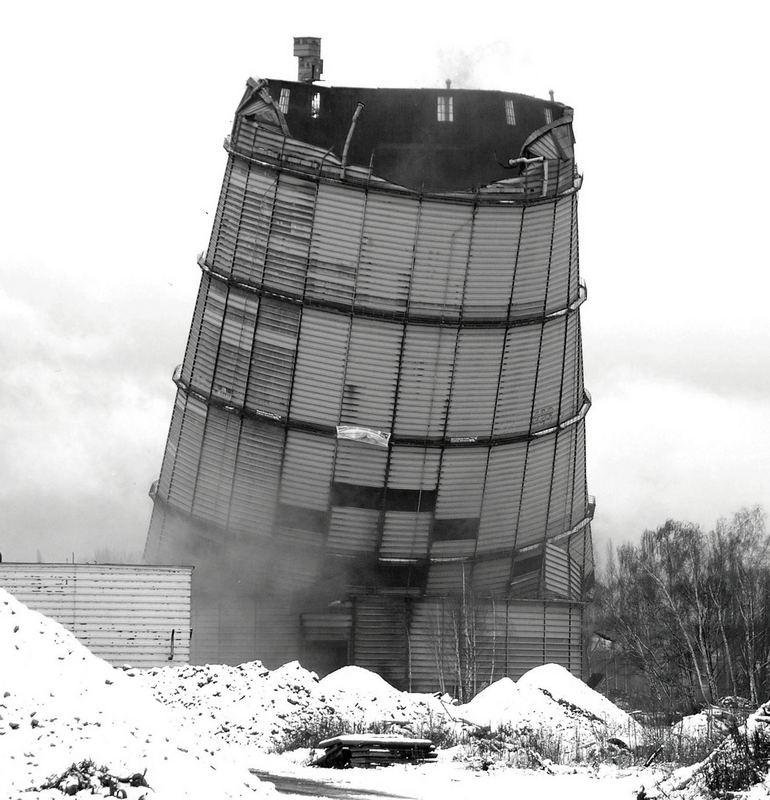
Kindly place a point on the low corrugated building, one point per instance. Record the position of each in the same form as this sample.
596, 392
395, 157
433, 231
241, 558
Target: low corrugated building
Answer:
124, 613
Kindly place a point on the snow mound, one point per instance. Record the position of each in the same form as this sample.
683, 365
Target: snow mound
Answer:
362, 698
357, 680
710, 723
550, 705
270, 709
60, 704
497, 695
569, 691
505, 704
246, 705
738, 757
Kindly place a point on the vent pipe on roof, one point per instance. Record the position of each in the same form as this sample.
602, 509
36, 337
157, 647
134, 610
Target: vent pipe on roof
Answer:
356, 115
310, 65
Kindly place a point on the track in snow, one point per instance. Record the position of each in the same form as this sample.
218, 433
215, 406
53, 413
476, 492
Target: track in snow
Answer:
288, 784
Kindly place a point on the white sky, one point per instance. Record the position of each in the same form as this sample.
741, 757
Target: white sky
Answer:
113, 116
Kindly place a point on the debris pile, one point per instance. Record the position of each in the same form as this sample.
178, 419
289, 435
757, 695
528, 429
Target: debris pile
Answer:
87, 776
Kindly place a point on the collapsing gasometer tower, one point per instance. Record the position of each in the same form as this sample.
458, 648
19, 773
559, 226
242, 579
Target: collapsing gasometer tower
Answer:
377, 450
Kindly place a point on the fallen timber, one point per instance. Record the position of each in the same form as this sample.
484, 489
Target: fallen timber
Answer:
373, 750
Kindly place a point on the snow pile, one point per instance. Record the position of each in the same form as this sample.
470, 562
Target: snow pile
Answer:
738, 766
252, 705
246, 705
357, 680
60, 704
365, 698
504, 704
270, 710
558, 683
556, 708
710, 723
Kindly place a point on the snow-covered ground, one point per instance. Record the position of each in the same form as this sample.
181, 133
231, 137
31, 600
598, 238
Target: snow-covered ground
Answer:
60, 704
198, 731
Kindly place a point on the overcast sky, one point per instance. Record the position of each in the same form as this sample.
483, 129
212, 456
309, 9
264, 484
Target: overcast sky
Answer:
113, 116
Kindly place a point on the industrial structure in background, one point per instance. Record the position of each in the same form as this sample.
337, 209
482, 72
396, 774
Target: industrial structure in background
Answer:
377, 450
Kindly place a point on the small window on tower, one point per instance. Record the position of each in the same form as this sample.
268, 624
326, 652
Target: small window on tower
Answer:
548, 116
445, 108
283, 101
315, 105
510, 112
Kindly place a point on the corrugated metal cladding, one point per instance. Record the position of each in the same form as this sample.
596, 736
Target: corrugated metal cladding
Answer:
126, 614
445, 327
504, 637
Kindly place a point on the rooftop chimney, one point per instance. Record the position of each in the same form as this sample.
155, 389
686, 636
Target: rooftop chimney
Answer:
308, 52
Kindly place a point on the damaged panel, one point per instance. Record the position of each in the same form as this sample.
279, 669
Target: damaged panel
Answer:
445, 576
207, 344
559, 507
358, 463
517, 380
492, 262
502, 496
172, 445
217, 465
441, 258
463, 471
425, 378
533, 263
406, 534
234, 355
580, 496
254, 226
387, 252
353, 530
336, 243
182, 484
562, 574
272, 358
195, 328
414, 468
257, 472
290, 230
224, 235
320, 370
571, 388
474, 383
559, 280
537, 488
491, 577
307, 466
371, 375
547, 401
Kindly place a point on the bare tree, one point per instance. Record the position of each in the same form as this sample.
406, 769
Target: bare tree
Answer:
691, 610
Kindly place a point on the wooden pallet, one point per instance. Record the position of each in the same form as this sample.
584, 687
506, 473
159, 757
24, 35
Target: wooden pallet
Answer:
373, 750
